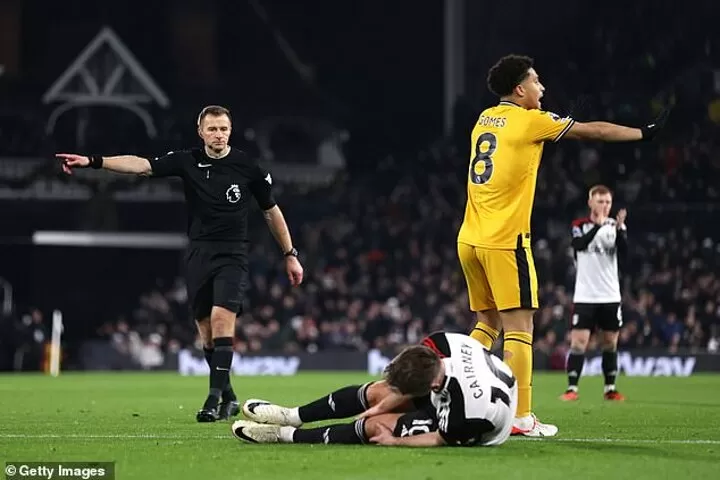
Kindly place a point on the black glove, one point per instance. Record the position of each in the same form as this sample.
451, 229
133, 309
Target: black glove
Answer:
650, 131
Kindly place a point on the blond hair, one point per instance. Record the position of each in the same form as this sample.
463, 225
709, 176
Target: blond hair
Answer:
598, 190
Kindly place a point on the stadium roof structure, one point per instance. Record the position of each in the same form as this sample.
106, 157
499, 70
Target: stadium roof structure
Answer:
106, 73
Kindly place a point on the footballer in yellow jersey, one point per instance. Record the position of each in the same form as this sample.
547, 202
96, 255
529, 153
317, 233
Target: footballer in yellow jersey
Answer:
494, 241
507, 142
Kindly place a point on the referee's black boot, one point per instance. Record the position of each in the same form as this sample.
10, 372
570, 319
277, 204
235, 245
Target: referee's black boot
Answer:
207, 415
228, 409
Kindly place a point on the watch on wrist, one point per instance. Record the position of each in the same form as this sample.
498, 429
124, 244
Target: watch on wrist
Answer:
292, 252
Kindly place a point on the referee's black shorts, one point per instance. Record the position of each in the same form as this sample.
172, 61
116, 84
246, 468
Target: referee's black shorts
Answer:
217, 275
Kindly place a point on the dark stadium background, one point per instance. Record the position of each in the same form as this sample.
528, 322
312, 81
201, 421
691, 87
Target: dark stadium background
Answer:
376, 233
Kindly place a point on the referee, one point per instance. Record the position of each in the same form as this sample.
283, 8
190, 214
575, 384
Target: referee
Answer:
219, 181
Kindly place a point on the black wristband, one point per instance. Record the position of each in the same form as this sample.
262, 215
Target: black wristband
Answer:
96, 161
648, 132
291, 253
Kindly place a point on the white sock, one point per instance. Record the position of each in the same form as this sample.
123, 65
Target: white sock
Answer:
609, 388
294, 414
525, 422
286, 434
573, 388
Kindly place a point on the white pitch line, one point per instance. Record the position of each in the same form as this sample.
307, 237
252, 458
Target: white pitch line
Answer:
625, 440
151, 436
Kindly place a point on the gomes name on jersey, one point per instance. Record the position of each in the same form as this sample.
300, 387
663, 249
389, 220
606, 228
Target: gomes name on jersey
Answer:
497, 122
506, 145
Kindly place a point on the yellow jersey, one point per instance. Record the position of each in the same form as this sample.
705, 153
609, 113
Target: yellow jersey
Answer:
506, 146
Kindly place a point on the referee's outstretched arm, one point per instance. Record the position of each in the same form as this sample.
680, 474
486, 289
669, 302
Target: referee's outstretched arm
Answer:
133, 164
119, 164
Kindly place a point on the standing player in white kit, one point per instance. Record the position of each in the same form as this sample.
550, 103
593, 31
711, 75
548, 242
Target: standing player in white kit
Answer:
449, 390
598, 241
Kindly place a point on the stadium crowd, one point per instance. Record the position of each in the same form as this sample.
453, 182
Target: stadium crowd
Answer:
382, 269
378, 246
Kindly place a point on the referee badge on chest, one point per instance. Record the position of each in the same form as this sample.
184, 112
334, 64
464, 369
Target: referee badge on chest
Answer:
233, 193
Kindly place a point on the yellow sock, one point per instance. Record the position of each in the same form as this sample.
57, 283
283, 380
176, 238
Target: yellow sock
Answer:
519, 357
484, 334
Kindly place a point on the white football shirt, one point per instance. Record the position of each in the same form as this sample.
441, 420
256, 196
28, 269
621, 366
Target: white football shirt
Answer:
477, 402
597, 278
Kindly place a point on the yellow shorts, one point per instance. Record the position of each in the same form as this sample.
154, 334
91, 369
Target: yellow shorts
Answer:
499, 279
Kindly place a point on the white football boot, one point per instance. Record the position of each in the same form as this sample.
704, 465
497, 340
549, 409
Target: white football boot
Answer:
261, 411
529, 426
252, 432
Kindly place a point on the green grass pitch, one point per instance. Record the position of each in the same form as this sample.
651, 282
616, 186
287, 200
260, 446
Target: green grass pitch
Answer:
668, 428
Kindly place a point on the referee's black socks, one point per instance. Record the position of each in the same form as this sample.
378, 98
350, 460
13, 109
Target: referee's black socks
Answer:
220, 363
228, 394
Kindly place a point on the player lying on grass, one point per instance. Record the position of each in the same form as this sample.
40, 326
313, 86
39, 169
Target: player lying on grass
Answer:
449, 390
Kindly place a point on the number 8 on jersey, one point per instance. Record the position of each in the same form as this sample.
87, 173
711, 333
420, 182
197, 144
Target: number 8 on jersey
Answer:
481, 167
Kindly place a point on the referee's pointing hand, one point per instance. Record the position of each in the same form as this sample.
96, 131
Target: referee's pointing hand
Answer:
71, 161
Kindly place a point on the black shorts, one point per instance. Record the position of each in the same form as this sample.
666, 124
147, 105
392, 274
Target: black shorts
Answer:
605, 316
216, 277
416, 422
421, 420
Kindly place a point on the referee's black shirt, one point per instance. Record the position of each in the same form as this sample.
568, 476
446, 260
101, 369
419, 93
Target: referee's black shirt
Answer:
217, 192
